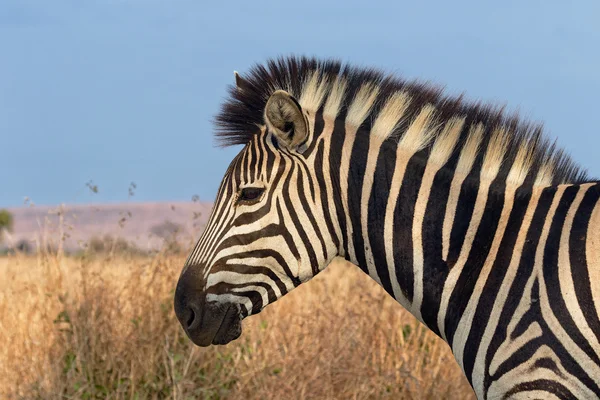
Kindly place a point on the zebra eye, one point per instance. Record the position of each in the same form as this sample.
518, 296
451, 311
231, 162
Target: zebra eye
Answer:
250, 194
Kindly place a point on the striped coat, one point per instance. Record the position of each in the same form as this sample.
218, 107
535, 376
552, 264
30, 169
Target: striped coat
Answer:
466, 215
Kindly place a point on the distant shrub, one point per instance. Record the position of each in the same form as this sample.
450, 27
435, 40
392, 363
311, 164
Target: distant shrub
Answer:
24, 247
108, 244
167, 230
6, 222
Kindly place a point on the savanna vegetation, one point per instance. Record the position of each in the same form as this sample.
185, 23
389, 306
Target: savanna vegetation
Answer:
101, 325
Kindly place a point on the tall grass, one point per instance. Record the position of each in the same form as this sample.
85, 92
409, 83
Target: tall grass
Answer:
104, 327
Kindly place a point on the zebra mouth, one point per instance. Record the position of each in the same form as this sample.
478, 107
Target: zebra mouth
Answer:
215, 323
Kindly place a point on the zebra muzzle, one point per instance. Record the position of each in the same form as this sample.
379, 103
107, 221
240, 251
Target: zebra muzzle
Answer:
206, 322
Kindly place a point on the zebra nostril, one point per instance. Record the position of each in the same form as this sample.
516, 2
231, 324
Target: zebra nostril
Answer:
189, 301
191, 318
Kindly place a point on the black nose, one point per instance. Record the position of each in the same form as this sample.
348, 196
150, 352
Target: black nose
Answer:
205, 322
189, 300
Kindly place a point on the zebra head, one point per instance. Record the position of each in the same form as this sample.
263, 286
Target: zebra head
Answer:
266, 233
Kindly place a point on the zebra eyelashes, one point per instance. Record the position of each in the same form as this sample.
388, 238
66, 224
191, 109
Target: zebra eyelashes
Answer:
250, 195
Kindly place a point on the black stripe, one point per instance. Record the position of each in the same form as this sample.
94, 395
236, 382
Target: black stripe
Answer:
256, 299
310, 216
225, 287
435, 269
335, 152
482, 243
548, 339
246, 166
304, 169
324, 200
380, 193
579, 265
266, 253
270, 153
318, 130
217, 221
253, 165
239, 167
355, 179
532, 315
462, 217
312, 257
550, 364
403, 220
524, 271
246, 218
271, 230
542, 385
497, 273
287, 236
262, 150
551, 270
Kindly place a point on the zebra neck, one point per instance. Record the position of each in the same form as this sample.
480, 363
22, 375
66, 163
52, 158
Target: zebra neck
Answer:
409, 223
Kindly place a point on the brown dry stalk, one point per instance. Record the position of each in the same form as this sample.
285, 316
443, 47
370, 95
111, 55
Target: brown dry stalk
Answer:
105, 328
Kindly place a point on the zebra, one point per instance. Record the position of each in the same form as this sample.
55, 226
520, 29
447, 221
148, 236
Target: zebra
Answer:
465, 213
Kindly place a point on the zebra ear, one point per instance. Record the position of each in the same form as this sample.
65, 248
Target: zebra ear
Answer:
240, 82
285, 119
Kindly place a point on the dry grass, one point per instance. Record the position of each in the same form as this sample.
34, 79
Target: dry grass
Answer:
104, 328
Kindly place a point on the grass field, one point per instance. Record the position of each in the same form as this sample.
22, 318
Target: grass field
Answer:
104, 327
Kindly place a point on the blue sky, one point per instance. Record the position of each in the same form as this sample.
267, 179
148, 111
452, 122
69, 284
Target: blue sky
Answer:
120, 91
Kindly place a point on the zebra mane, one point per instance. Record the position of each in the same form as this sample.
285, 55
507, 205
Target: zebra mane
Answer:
486, 136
